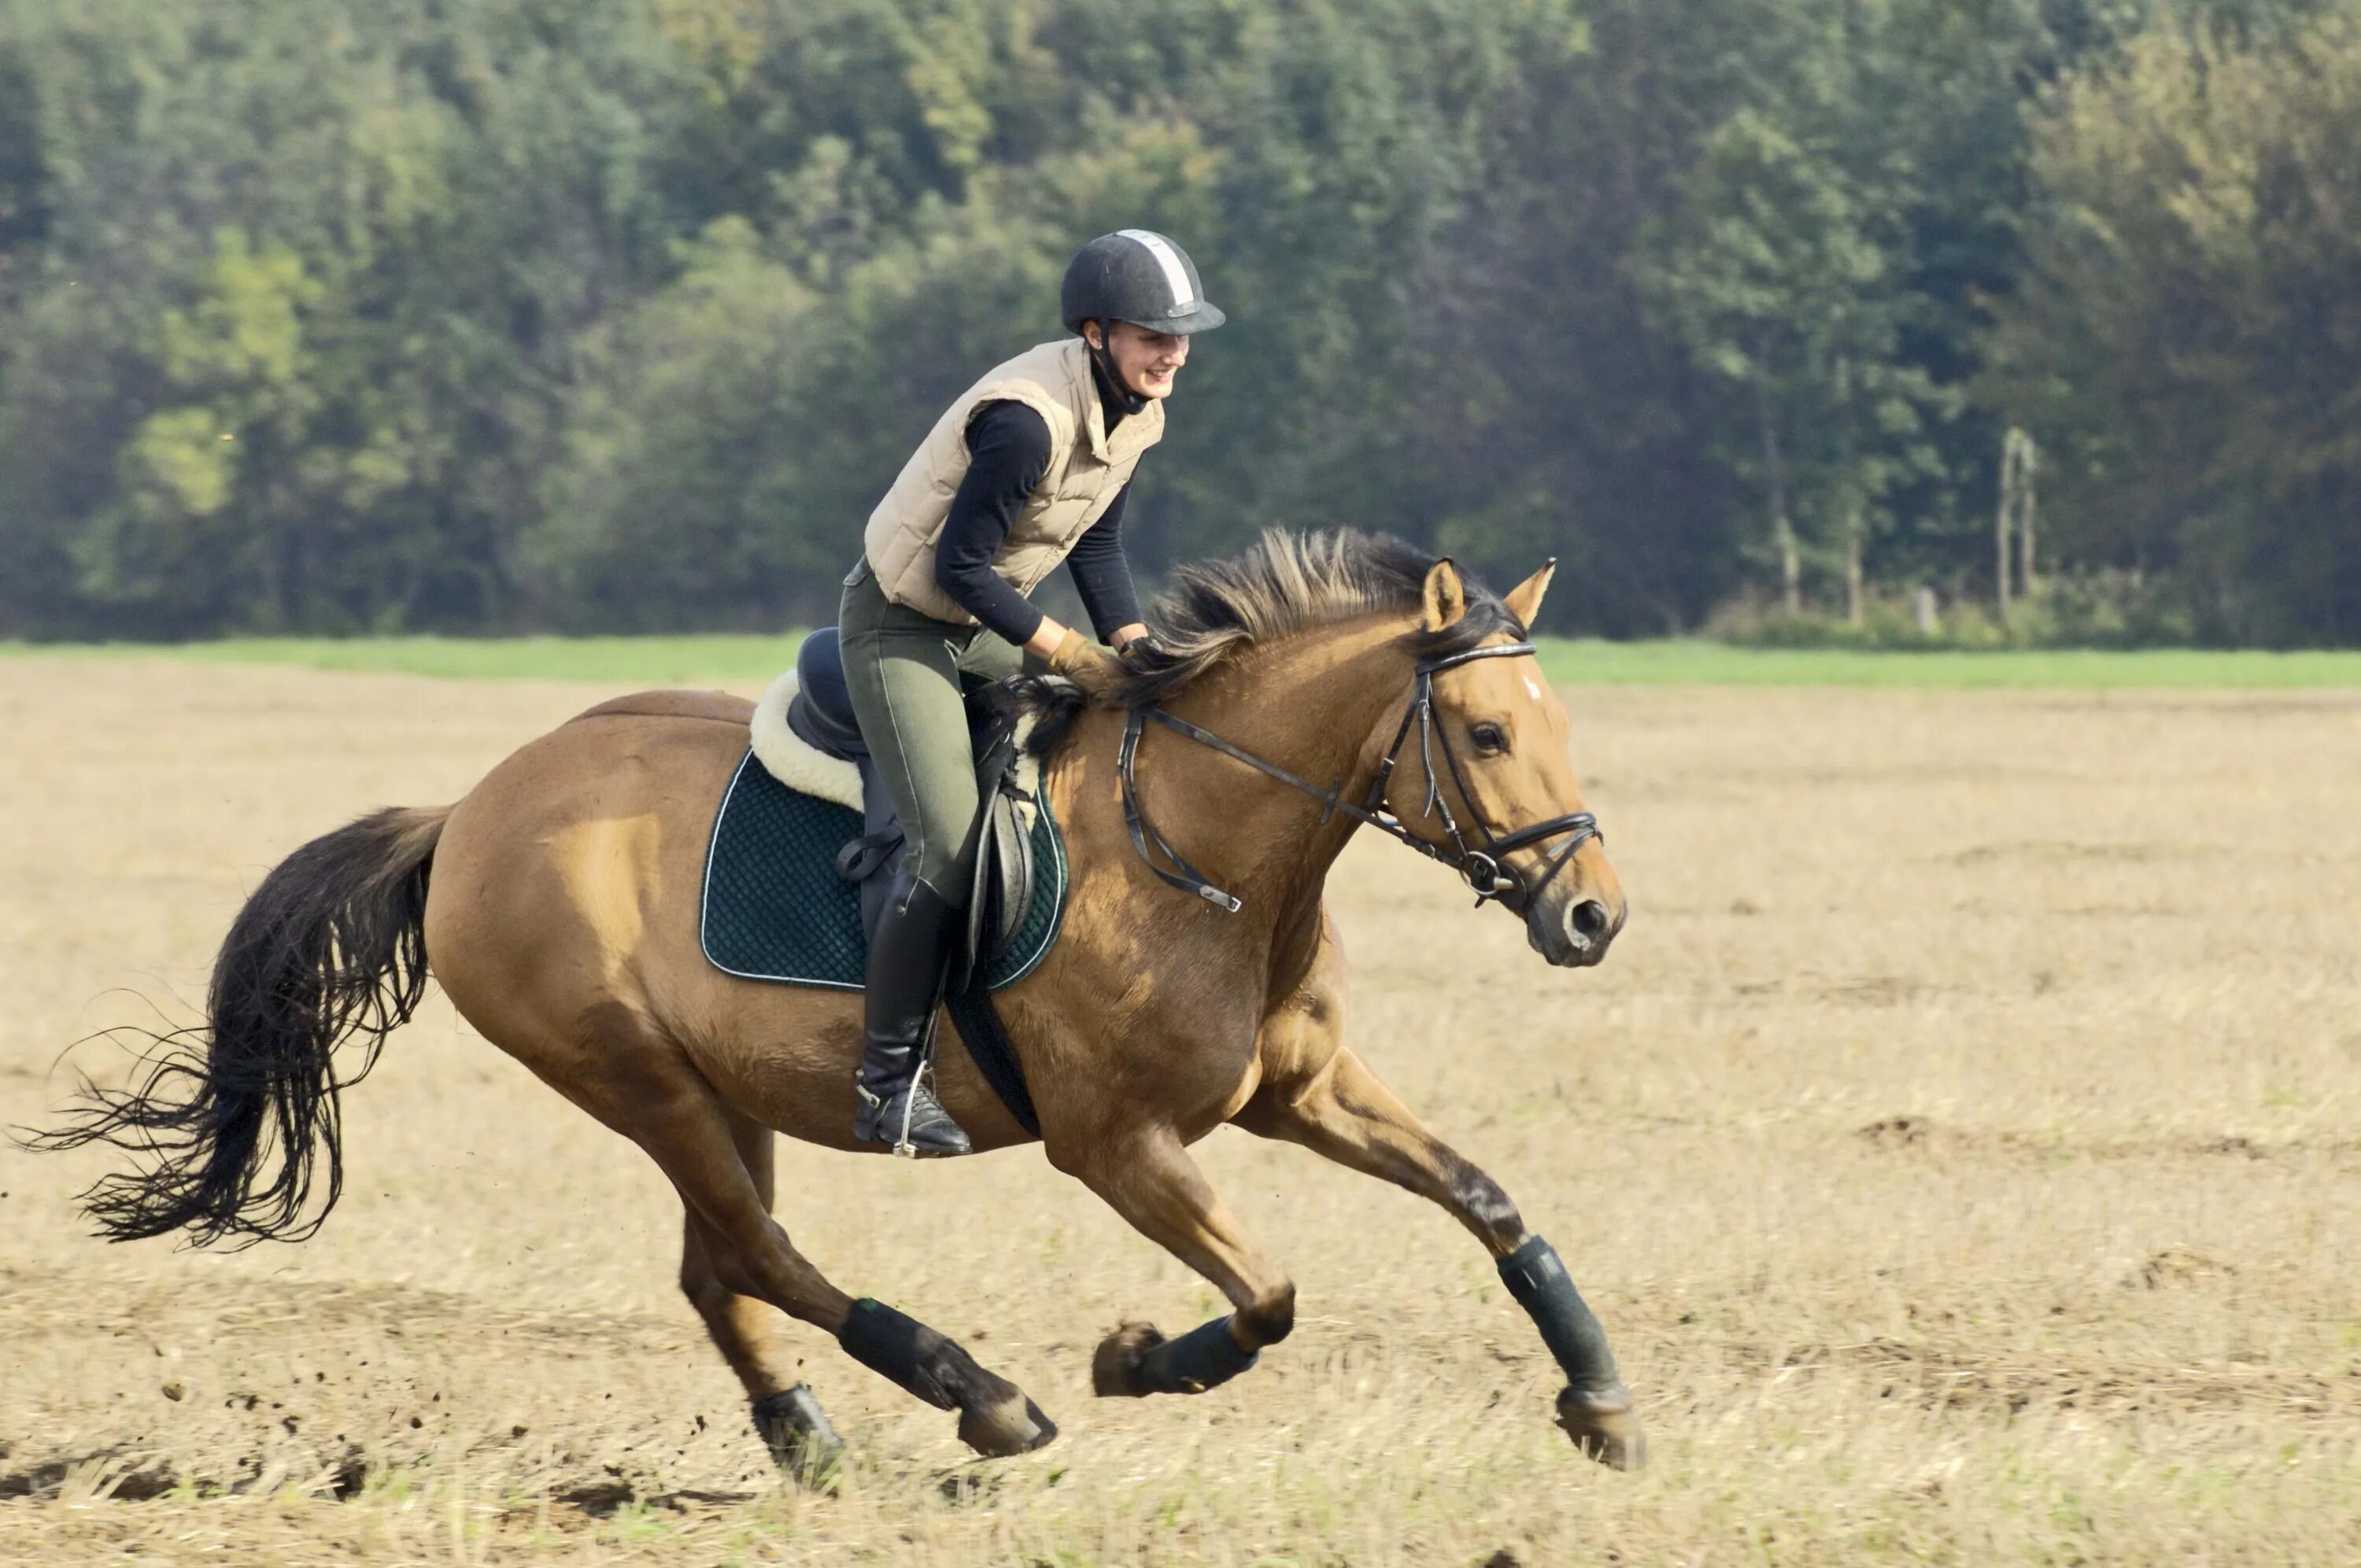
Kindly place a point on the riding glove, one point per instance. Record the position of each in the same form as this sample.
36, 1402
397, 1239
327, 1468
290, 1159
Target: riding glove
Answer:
1094, 669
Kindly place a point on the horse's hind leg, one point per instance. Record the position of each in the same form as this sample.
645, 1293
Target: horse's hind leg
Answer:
1342, 1110
669, 1110
786, 1412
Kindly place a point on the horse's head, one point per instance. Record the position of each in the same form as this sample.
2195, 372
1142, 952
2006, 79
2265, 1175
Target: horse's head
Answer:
1488, 776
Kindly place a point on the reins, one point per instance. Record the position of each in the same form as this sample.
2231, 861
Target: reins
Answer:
1480, 867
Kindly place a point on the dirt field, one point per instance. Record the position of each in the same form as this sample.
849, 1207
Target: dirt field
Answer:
1962, 1145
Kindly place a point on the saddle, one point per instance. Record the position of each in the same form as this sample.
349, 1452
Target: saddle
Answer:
821, 717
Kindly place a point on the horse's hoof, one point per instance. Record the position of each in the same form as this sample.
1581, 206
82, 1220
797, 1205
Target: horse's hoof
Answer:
1013, 1426
1604, 1426
796, 1432
1114, 1367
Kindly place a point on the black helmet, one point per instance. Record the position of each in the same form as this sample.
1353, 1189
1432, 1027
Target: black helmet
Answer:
1137, 276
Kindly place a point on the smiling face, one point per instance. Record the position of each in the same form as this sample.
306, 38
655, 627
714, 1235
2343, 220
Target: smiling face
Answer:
1147, 361
1509, 733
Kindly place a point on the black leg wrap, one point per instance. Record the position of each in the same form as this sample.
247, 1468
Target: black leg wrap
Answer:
1205, 1358
906, 1352
1539, 1281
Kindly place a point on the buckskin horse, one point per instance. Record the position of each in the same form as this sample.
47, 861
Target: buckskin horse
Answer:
560, 916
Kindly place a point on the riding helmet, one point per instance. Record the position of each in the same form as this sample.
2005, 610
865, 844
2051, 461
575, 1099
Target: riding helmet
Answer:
1137, 276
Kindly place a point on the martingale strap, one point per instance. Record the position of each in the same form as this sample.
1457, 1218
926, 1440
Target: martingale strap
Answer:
1480, 867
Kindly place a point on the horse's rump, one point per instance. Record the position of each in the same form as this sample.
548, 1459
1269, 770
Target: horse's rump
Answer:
718, 706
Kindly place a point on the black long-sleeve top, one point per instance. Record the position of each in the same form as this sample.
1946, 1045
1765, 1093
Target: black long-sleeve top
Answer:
1008, 451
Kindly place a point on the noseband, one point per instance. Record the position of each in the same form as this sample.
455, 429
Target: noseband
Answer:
1480, 866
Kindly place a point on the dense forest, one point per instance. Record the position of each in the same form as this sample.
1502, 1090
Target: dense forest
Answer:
368, 316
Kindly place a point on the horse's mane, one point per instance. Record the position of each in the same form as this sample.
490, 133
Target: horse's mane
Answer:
1281, 585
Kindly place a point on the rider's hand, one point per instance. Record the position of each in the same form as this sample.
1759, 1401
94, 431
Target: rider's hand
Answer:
1088, 665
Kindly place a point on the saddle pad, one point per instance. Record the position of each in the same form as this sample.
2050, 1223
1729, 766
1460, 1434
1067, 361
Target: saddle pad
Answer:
774, 908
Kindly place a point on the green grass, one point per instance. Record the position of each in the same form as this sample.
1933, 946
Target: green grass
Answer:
630, 662
748, 660
1698, 662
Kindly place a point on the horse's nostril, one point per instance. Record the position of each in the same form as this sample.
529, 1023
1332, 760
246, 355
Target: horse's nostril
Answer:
1588, 920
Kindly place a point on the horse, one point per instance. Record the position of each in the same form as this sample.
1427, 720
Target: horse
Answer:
556, 905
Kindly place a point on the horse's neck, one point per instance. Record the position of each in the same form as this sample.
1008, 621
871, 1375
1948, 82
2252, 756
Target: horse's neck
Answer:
1311, 705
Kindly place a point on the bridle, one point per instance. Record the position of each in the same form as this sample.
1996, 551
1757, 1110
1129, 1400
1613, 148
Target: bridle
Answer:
1479, 866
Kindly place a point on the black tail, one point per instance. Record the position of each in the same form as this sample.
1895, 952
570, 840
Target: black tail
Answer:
234, 1115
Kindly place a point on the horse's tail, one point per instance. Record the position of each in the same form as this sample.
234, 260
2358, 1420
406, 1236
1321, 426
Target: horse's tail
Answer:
233, 1115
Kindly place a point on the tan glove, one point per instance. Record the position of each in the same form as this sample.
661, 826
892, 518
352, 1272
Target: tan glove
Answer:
1094, 669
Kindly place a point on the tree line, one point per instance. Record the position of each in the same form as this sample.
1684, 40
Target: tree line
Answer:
420, 314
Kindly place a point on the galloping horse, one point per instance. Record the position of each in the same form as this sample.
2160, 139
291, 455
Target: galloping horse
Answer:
561, 916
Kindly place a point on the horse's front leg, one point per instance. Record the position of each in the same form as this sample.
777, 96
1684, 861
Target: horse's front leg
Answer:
1340, 1109
1146, 1175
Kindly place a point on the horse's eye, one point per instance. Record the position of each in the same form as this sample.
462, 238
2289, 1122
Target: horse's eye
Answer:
1489, 739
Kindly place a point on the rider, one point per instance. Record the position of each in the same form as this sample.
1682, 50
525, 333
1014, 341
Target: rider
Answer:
1028, 468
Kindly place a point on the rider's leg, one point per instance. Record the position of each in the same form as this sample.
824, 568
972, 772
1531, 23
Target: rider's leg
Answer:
903, 669
989, 657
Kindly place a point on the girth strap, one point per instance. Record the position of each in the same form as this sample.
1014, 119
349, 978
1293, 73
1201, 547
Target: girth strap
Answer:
993, 1052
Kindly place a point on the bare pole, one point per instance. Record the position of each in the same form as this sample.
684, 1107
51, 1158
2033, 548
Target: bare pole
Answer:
1782, 531
1853, 565
2013, 522
2027, 468
2001, 553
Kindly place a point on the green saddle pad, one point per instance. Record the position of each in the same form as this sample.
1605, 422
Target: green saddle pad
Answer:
774, 908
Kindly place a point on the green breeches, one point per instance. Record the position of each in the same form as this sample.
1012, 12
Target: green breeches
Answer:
907, 672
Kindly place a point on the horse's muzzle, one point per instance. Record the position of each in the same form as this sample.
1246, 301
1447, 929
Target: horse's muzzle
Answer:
1574, 934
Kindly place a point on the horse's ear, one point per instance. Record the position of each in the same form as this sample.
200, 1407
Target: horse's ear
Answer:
1446, 597
1524, 600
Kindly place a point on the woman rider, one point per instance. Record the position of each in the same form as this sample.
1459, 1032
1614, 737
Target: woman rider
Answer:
1027, 469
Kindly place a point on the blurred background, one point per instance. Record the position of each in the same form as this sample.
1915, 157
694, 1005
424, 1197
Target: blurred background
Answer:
372, 316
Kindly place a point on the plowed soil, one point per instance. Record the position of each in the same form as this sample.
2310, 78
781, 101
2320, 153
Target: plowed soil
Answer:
1962, 1147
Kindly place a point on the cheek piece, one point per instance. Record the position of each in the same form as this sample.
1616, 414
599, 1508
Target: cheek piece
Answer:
1478, 863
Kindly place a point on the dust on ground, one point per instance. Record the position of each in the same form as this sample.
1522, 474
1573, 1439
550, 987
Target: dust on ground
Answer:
1962, 1147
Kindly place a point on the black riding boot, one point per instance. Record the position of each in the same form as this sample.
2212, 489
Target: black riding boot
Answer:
908, 955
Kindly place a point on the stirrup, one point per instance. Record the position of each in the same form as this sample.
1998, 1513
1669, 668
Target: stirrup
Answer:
871, 1126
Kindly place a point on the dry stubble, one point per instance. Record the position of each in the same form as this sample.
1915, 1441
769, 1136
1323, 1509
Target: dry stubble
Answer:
1963, 1146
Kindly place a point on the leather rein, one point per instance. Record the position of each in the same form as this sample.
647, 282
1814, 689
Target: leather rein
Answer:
1479, 866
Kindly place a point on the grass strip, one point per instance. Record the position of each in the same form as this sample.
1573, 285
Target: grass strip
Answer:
742, 660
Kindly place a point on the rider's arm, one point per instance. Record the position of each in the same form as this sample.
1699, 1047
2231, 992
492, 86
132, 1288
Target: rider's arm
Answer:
1102, 576
1008, 451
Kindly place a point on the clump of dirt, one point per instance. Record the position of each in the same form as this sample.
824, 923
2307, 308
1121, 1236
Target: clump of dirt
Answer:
2179, 1266
1897, 1132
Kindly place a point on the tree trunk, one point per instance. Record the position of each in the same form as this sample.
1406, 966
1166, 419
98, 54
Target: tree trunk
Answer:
1783, 531
1852, 569
2000, 519
2029, 460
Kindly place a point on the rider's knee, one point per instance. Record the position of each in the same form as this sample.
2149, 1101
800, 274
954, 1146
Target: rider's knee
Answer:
943, 871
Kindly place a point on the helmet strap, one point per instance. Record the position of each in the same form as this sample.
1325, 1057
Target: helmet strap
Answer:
1111, 385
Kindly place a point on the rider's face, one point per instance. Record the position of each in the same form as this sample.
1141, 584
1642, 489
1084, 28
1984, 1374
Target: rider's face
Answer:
1146, 360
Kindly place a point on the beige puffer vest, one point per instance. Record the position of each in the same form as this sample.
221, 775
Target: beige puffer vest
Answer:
1087, 470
